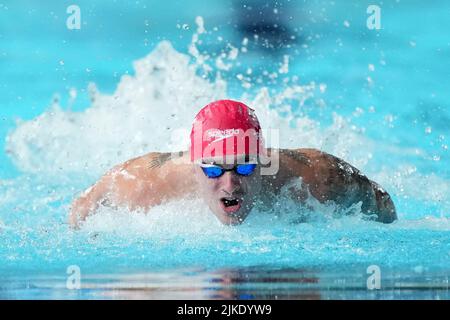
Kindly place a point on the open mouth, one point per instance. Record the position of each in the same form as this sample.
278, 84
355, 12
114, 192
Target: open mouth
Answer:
230, 204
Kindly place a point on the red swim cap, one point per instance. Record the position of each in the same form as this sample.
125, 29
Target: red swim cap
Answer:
225, 127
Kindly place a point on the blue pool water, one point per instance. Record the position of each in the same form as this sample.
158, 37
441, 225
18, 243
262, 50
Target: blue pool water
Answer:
76, 102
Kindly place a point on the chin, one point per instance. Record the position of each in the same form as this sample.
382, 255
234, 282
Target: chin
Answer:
232, 218
230, 221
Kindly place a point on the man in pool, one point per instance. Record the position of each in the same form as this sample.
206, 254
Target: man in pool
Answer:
228, 167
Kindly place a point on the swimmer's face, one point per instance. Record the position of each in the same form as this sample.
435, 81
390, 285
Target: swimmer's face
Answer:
230, 196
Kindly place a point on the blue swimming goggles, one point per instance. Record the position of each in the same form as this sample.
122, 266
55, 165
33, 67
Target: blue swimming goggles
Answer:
215, 171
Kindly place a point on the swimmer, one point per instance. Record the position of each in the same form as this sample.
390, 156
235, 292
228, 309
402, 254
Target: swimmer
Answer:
230, 169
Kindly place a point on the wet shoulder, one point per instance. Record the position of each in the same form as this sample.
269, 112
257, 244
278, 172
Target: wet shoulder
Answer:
319, 162
294, 159
325, 175
148, 166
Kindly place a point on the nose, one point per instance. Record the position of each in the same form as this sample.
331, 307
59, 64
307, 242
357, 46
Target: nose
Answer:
230, 182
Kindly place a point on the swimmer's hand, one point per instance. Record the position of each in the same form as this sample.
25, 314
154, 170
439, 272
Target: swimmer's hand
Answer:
90, 200
384, 205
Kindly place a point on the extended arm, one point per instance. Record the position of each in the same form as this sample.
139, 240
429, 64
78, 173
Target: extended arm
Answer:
331, 178
139, 183
348, 184
90, 200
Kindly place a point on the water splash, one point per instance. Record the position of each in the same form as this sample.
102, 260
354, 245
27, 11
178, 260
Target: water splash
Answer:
61, 152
